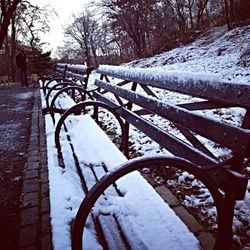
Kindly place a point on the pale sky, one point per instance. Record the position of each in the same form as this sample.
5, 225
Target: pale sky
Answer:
64, 10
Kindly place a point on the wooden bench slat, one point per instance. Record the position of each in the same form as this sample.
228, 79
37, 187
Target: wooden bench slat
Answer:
111, 233
60, 70
203, 105
78, 68
76, 76
234, 138
165, 139
191, 84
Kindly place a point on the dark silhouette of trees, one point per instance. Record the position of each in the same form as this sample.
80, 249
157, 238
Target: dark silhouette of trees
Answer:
8, 8
21, 26
133, 17
131, 29
32, 21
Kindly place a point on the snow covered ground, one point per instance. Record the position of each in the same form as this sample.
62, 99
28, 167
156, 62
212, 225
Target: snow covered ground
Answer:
217, 52
221, 54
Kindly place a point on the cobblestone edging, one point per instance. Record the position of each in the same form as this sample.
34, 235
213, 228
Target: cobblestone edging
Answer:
35, 228
205, 238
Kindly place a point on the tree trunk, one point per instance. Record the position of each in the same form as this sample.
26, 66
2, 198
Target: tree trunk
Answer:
232, 10
93, 49
200, 12
190, 5
226, 15
87, 53
6, 21
7, 55
13, 48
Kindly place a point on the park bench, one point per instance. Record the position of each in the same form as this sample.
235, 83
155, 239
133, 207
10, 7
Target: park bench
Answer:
116, 239
75, 72
65, 73
133, 99
67, 80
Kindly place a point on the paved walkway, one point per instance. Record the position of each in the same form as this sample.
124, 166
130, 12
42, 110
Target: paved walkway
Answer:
24, 203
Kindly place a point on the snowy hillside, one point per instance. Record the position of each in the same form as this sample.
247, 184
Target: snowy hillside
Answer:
218, 51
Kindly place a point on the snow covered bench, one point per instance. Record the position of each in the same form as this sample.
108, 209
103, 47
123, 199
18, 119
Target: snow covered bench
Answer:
67, 82
66, 73
131, 215
221, 173
75, 72
94, 155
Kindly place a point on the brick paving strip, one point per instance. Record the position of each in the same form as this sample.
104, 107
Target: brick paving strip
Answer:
205, 238
35, 228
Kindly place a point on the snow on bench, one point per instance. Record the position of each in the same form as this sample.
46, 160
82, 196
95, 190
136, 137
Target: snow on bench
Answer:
224, 179
64, 102
146, 221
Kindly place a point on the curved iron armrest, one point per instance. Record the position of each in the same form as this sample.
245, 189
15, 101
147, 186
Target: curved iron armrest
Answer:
80, 109
57, 86
224, 206
64, 87
82, 91
45, 86
48, 75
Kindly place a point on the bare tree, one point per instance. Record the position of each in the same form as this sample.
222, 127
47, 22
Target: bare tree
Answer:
133, 18
13, 47
190, 4
84, 31
227, 14
133, 29
200, 7
32, 21
180, 12
235, 11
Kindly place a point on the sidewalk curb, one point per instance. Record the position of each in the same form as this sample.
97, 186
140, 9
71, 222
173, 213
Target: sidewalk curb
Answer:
205, 238
35, 227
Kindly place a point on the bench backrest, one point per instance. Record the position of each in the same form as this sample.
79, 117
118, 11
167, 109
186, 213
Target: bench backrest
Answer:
136, 96
215, 94
75, 72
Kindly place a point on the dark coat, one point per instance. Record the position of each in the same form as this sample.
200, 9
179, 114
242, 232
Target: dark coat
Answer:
21, 61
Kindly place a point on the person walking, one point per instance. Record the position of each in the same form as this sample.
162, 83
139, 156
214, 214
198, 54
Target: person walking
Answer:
22, 67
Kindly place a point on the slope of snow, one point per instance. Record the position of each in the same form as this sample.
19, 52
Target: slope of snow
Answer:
217, 52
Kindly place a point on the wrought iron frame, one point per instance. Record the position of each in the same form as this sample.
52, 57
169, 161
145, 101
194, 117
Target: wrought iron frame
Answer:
80, 108
223, 205
223, 179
